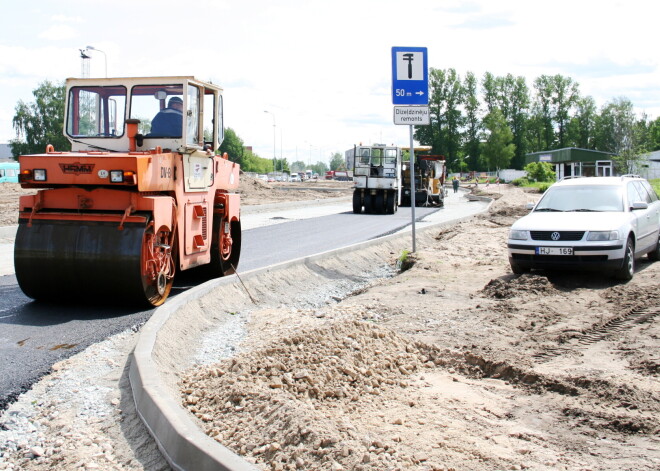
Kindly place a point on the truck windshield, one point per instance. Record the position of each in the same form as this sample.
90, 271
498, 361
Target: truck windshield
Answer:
96, 111
159, 108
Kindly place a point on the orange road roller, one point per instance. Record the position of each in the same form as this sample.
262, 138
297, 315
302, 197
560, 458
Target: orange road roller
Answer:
142, 194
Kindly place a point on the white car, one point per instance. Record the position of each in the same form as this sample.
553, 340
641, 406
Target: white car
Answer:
598, 222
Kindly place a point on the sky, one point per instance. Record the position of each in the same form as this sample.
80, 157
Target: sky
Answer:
323, 69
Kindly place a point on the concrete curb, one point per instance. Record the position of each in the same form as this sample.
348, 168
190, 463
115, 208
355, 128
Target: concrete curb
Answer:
183, 444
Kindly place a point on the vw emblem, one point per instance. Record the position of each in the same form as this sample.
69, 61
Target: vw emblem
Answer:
555, 236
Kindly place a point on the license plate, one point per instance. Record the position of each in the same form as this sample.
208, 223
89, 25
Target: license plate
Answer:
554, 250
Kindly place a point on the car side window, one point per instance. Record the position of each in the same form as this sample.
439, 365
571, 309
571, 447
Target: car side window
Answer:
645, 197
649, 189
633, 194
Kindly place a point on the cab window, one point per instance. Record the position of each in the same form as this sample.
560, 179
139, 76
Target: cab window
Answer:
96, 111
192, 117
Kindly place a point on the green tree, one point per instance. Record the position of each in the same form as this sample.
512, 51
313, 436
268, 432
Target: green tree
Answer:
282, 165
654, 135
565, 95
580, 129
497, 149
556, 97
511, 95
541, 123
642, 132
446, 98
473, 126
253, 163
614, 130
616, 133
40, 123
320, 168
489, 84
298, 166
518, 107
337, 162
233, 146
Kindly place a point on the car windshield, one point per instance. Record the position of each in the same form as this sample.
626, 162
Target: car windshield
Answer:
582, 198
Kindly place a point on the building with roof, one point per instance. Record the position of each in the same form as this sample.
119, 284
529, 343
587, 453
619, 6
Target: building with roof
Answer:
576, 162
649, 168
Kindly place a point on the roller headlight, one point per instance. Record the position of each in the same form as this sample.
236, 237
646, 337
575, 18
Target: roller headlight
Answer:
39, 174
116, 176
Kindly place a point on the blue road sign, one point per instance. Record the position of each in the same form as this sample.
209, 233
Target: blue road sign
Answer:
410, 76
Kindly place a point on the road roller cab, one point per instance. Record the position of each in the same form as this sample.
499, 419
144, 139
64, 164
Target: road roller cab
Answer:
142, 194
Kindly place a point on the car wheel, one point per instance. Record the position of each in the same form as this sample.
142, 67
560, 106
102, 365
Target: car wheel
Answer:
654, 255
517, 269
627, 271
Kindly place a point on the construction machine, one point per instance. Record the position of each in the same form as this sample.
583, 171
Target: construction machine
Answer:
429, 181
376, 177
142, 194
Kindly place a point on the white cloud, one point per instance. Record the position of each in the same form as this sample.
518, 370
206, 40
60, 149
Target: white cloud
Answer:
58, 33
67, 19
323, 68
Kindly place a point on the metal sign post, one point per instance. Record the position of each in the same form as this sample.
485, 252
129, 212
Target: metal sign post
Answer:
412, 189
410, 86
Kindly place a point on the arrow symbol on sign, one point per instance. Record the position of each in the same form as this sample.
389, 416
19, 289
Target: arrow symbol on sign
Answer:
419, 93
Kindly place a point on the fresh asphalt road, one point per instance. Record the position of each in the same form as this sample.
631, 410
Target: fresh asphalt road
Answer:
34, 336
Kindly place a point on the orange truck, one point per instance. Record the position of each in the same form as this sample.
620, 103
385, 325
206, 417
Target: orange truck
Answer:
142, 194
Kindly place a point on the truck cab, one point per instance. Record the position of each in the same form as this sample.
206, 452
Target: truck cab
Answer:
97, 110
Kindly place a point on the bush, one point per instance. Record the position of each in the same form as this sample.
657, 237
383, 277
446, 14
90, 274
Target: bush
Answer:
405, 261
540, 172
523, 181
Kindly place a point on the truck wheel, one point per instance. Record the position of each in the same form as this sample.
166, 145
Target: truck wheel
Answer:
368, 209
379, 203
389, 208
158, 262
357, 202
225, 251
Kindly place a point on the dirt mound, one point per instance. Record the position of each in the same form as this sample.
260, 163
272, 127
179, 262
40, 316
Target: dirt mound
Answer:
302, 394
522, 285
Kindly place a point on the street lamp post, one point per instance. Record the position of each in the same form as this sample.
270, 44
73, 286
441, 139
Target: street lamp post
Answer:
105, 57
274, 141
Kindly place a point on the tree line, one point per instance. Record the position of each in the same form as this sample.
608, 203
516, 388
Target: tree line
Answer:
492, 123
477, 125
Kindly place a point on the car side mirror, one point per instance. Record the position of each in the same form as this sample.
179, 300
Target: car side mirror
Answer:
529, 206
639, 205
